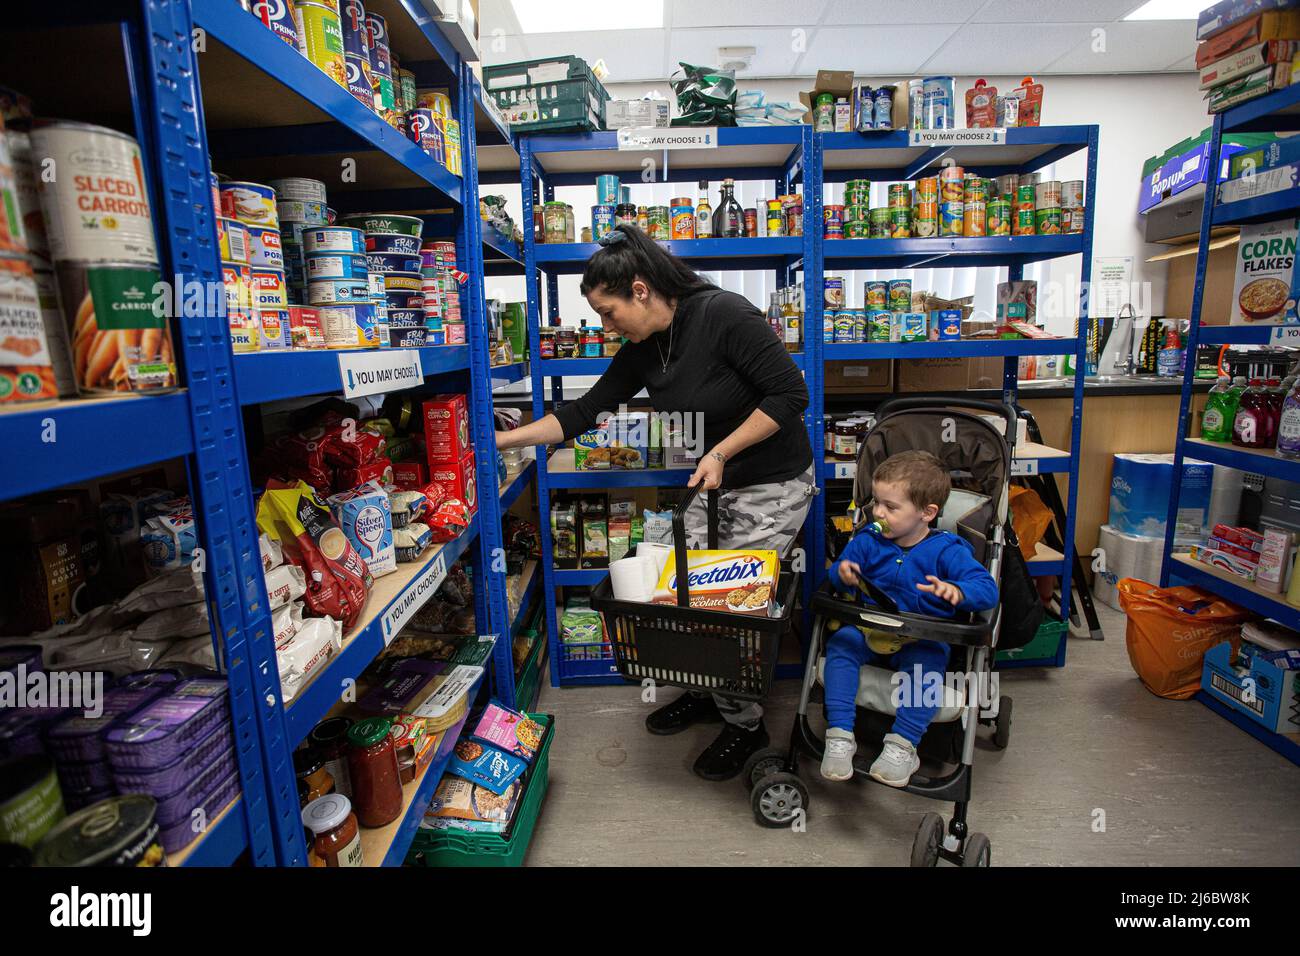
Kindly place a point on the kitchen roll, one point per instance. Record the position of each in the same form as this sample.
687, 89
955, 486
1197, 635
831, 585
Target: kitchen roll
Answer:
633, 579
658, 553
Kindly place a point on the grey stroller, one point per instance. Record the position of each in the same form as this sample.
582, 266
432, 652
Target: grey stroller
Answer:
979, 459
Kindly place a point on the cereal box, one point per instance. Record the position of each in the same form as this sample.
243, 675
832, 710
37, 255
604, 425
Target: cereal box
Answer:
1265, 266
742, 582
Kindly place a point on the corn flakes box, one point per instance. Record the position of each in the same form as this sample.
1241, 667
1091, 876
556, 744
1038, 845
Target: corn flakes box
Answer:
740, 582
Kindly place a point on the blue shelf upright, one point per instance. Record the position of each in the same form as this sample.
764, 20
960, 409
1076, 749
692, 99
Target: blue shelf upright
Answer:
1278, 112
784, 156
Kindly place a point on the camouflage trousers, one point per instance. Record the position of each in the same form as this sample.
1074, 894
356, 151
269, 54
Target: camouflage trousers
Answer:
765, 516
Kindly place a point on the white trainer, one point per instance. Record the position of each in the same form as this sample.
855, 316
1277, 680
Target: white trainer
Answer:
896, 763
837, 762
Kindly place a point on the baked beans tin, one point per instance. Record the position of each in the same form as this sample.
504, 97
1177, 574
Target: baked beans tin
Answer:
330, 291
275, 329
321, 31
1023, 224
880, 222
97, 207
356, 76
381, 62
900, 222
301, 214
392, 262
833, 294
369, 222
951, 219
237, 283
998, 218
119, 343
407, 338
245, 330
352, 20
392, 242
348, 325
857, 192
974, 218
900, 195
403, 282
927, 189
833, 219
304, 328
1047, 194
925, 220
337, 265
1047, 222
333, 239
879, 324
900, 295
278, 17
1072, 194
269, 289
233, 239
264, 247
405, 318
26, 361
253, 204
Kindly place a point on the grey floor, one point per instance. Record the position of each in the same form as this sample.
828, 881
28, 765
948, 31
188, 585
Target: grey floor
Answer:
1099, 772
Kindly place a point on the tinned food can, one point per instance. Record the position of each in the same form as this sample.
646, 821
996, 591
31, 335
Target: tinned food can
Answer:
280, 18
900, 222
775, 218
356, 72
304, 328
120, 342
341, 239
1023, 223
1076, 220
299, 189
1047, 222
1047, 194
264, 247
927, 189
682, 211
348, 325
925, 220
237, 284
607, 190
998, 218
321, 33
233, 240
274, 328
792, 207
116, 832
857, 229
602, 220
26, 362
900, 194
833, 295
900, 295
269, 290
1072, 194
1025, 197
833, 218
843, 323
660, 221
404, 89
96, 207
381, 60
352, 18
751, 222
952, 217
253, 204
880, 222
879, 325
974, 215
952, 184
857, 192
875, 294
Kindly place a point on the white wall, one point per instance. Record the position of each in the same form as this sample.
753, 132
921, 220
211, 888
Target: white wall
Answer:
1138, 115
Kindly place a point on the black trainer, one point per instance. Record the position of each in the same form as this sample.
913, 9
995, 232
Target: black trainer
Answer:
726, 756
685, 711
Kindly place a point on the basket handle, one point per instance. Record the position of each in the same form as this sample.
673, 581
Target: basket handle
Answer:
679, 537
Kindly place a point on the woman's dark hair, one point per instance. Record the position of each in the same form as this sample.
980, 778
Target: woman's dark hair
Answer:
615, 266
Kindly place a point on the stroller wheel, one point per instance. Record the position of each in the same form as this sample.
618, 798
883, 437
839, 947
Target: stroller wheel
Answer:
1002, 726
977, 850
777, 799
767, 761
928, 840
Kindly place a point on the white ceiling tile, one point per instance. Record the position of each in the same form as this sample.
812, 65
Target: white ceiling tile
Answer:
762, 13
1055, 11
776, 54
868, 12
1136, 47
980, 48
1186, 64
894, 48
631, 55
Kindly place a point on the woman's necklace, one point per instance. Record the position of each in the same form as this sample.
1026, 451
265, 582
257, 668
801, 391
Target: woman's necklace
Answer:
664, 358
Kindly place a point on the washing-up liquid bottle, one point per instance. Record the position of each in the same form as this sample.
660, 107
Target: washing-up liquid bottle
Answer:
1220, 411
1251, 422
1275, 396
1288, 427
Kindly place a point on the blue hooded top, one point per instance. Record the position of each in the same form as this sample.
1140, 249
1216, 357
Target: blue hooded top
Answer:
898, 572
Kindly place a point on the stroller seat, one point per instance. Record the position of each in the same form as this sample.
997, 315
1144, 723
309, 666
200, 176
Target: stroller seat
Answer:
876, 692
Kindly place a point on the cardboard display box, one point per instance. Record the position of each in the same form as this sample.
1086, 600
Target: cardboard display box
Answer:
1216, 305
852, 377
840, 83
948, 374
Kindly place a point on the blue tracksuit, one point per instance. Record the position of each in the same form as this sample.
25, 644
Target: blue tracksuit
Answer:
897, 572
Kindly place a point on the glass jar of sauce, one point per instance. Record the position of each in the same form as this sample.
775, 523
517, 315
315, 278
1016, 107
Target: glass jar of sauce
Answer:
845, 440
376, 779
546, 343
592, 341
566, 343
554, 222
625, 212
337, 838
329, 738
313, 779
612, 343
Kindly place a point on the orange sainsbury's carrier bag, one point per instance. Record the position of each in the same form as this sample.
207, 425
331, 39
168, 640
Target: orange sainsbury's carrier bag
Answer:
1169, 631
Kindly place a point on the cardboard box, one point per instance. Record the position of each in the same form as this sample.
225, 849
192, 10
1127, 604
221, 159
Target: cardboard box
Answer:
1249, 86
948, 374
643, 113
741, 581
1245, 61
1272, 697
460, 479
446, 429
1274, 25
839, 83
1217, 300
1262, 276
1227, 13
875, 375
410, 475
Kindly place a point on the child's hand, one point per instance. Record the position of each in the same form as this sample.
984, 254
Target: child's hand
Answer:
942, 590
849, 571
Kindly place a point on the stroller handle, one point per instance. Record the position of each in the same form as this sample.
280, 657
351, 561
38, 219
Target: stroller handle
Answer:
996, 408
679, 536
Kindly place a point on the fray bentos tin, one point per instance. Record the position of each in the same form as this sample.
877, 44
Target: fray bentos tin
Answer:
119, 342
370, 222
97, 207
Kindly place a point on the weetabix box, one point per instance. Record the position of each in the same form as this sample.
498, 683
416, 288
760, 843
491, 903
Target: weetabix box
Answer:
446, 429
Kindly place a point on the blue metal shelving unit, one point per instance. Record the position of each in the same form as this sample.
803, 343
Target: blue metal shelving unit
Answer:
782, 155
888, 157
1278, 112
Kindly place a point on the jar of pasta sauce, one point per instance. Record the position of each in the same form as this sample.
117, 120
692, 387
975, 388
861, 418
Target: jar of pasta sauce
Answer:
591, 341
546, 343
845, 441
336, 836
613, 342
566, 343
376, 778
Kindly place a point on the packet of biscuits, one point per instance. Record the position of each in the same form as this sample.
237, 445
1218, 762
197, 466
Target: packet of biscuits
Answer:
740, 582
337, 577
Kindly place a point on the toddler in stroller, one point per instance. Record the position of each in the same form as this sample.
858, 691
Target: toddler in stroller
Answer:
923, 571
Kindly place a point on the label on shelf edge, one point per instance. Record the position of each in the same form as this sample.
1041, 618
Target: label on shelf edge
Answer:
382, 370
639, 138
1284, 335
994, 136
413, 598
1024, 466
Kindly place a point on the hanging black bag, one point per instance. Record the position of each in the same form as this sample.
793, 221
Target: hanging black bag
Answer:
1022, 611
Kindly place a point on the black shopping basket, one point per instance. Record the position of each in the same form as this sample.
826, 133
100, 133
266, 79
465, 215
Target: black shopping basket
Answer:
680, 646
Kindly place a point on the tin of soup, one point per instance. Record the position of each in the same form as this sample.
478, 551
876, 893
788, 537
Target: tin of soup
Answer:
330, 291
900, 295
233, 240
335, 239
264, 247
338, 265
96, 208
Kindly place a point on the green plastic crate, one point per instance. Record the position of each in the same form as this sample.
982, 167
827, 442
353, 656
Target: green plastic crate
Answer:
1044, 645
550, 69
450, 848
531, 674
579, 104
